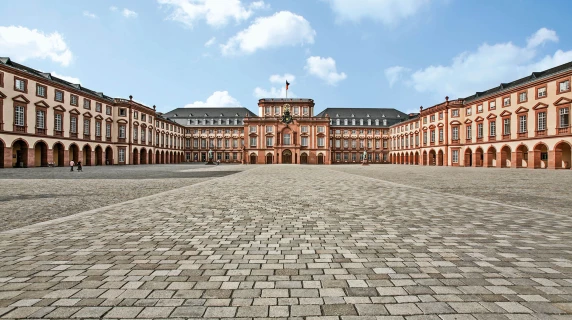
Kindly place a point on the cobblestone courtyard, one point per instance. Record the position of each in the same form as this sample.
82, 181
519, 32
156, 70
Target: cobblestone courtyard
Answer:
287, 241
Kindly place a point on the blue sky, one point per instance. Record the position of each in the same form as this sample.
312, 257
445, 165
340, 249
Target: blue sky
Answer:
342, 53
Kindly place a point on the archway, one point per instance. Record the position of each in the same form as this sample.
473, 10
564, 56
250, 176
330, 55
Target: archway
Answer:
522, 156
108, 156
320, 158
157, 157
143, 156
304, 158
540, 156
73, 153
505, 157
20, 154
468, 157
135, 159
491, 157
98, 156
390, 158
424, 159
253, 158
432, 158
440, 157
269, 158
479, 157
41, 154
86, 155
411, 158
562, 155
286, 156
58, 154
150, 157
416, 158
162, 157
406, 158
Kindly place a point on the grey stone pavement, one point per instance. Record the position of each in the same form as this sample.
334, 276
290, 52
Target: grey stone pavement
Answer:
298, 242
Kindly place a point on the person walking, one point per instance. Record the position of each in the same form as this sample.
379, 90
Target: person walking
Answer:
79, 167
71, 165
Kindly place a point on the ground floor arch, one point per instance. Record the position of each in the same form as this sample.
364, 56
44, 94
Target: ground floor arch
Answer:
432, 161
150, 156
320, 158
479, 157
269, 158
505, 157
540, 156
468, 157
135, 157
41, 154
562, 155
2, 148
521, 156
253, 158
86, 159
424, 159
416, 158
143, 156
98, 155
303, 158
109, 155
491, 157
287, 156
440, 158
20, 154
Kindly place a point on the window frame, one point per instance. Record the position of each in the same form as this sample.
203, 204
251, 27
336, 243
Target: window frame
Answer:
509, 101
561, 80
38, 86
494, 102
56, 91
24, 81
537, 90
525, 92
72, 96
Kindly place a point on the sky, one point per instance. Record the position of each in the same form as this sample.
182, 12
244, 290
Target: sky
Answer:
399, 54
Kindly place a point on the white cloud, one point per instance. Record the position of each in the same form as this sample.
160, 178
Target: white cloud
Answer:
487, 67
216, 13
128, 13
540, 37
281, 79
325, 69
217, 99
273, 92
113, 8
89, 14
394, 73
21, 44
389, 12
210, 42
66, 78
258, 5
284, 28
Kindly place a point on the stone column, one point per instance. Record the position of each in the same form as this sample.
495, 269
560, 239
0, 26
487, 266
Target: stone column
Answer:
31, 156
7, 157
516, 159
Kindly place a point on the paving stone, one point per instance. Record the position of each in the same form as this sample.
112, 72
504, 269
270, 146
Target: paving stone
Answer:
339, 310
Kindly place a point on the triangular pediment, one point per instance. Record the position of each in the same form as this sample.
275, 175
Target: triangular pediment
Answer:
98, 117
20, 98
59, 107
87, 115
135, 123
521, 110
108, 119
42, 104
432, 126
468, 121
479, 118
540, 105
492, 116
562, 100
505, 113
2, 96
74, 111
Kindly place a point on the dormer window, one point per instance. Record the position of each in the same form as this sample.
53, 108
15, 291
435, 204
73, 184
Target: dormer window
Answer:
221, 115
206, 115
377, 122
337, 115
175, 115
383, 115
367, 115
352, 115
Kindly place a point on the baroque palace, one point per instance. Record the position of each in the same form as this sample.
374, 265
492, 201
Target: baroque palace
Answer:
47, 121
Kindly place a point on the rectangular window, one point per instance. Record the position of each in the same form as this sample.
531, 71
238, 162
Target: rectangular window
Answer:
468, 110
86, 127
506, 126
455, 112
73, 100
267, 110
59, 96
440, 115
432, 136
253, 142
73, 125
269, 141
269, 128
40, 119
123, 113
86, 103
19, 118
253, 129
108, 110
441, 135
135, 133
122, 132
479, 130
424, 137
276, 110
108, 130
304, 129
492, 105
542, 92
305, 111
40, 90
296, 110
522, 123
304, 141
121, 155
432, 118
564, 86
321, 129
20, 85
493, 128
522, 97
135, 114
98, 129
469, 132
58, 122
321, 142
455, 156
506, 101
541, 121
564, 118
286, 138
98, 107
480, 108
455, 133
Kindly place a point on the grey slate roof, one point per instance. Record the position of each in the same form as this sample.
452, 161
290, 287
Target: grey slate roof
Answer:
286, 100
6, 61
532, 77
392, 116
186, 113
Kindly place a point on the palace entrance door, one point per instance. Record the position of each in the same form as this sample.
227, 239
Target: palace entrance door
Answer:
286, 156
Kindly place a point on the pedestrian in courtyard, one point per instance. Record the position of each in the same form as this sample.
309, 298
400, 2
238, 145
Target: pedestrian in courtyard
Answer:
79, 167
71, 165
218, 162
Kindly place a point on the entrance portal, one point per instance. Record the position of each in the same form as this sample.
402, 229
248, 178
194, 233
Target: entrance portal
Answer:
286, 156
